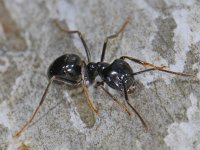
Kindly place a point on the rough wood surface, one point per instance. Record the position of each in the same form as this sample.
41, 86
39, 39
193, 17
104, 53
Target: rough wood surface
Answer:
162, 32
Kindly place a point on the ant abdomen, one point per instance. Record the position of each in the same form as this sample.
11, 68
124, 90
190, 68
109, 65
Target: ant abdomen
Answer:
116, 73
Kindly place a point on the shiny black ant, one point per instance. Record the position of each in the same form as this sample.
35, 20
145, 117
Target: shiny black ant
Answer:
71, 70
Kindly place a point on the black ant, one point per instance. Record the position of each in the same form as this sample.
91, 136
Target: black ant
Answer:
71, 70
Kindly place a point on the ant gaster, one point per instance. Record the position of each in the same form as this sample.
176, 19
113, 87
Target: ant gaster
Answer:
71, 70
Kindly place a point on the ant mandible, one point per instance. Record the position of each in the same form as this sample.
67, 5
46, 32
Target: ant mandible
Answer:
72, 71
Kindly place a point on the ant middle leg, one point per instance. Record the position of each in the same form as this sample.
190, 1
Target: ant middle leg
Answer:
154, 67
85, 89
111, 37
80, 36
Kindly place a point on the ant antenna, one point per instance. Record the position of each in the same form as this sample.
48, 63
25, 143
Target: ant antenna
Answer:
54, 78
36, 110
80, 36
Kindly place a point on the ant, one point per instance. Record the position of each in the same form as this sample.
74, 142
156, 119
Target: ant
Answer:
69, 69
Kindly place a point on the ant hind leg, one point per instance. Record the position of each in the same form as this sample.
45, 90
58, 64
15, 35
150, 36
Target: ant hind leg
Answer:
154, 67
100, 84
137, 113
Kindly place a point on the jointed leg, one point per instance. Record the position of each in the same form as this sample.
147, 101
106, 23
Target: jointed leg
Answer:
116, 100
90, 102
111, 37
80, 36
143, 71
154, 67
127, 100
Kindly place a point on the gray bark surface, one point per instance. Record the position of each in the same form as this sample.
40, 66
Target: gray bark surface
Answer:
162, 32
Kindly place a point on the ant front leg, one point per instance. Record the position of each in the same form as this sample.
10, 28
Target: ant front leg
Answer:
80, 36
112, 37
90, 102
154, 67
127, 100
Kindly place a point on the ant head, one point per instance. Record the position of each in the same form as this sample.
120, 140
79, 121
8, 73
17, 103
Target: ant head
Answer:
67, 67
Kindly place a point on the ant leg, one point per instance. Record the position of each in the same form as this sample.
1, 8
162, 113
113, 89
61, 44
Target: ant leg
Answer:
143, 71
154, 67
80, 36
115, 99
127, 100
111, 37
54, 78
90, 102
